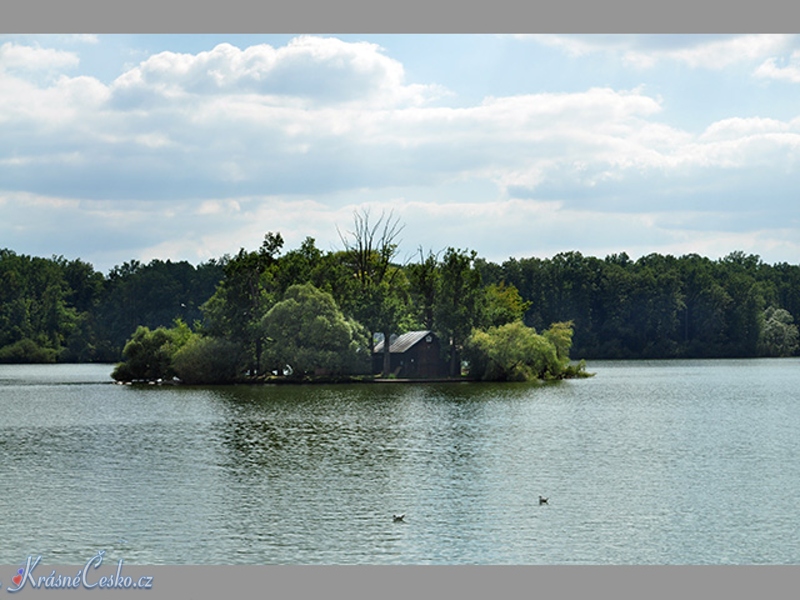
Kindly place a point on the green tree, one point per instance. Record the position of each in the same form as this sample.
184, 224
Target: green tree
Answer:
560, 336
243, 297
153, 295
503, 304
148, 354
35, 303
26, 351
302, 265
423, 279
515, 352
207, 360
744, 314
459, 301
779, 335
307, 331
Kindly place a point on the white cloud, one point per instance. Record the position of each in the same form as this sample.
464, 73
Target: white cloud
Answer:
30, 58
790, 72
738, 127
210, 150
309, 70
748, 143
64, 100
85, 38
219, 207
153, 140
715, 54
220, 123
696, 51
210, 123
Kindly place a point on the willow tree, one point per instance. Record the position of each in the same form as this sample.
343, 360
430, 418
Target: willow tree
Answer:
515, 352
307, 331
779, 335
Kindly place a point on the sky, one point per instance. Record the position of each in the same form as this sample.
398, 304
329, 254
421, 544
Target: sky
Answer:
188, 147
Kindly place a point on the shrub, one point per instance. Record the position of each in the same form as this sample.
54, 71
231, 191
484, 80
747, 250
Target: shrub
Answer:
148, 354
27, 351
207, 360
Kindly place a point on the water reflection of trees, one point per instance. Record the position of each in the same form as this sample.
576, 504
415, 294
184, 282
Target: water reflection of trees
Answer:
287, 431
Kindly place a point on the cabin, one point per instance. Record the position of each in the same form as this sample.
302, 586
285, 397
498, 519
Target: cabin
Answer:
413, 355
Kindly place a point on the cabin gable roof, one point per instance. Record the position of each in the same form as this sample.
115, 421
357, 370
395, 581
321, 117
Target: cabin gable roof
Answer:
403, 343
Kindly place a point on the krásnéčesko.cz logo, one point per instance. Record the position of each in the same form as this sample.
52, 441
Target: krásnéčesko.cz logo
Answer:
83, 578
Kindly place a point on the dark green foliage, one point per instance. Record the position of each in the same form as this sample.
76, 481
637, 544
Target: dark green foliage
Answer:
84, 284
207, 360
153, 295
423, 279
300, 266
248, 290
148, 355
378, 297
34, 304
307, 332
459, 301
26, 351
654, 307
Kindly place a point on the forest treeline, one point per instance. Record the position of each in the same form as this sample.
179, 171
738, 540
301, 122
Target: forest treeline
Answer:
53, 309
659, 306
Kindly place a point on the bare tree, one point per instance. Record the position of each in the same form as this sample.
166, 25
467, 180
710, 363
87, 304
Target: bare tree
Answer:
371, 248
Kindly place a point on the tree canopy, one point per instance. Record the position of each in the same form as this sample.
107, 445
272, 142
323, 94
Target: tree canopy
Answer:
148, 355
459, 301
306, 332
515, 352
658, 306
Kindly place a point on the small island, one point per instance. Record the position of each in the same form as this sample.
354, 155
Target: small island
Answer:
360, 318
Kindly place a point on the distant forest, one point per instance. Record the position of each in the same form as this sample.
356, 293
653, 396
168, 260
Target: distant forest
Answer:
54, 309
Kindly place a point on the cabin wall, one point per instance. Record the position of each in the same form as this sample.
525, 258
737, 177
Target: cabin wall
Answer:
424, 360
421, 361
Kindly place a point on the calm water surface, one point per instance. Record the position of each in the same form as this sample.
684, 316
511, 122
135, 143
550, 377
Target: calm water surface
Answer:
673, 462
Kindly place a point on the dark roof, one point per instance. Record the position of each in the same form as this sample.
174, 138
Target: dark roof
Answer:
403, 342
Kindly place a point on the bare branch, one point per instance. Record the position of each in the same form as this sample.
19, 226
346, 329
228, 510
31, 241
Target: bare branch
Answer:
372, 246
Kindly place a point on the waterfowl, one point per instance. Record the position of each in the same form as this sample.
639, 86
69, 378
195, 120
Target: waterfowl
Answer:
542, 500
397, 518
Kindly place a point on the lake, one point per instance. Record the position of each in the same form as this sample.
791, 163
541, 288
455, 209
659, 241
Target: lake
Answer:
648, 462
